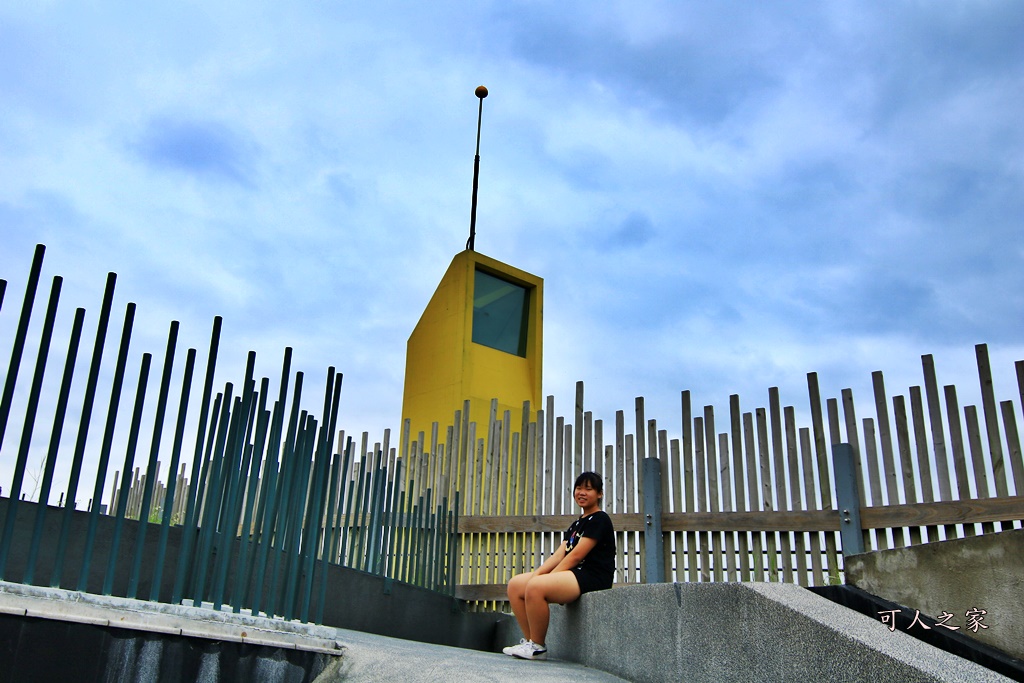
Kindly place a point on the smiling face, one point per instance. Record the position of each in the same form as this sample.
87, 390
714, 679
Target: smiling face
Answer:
587, 497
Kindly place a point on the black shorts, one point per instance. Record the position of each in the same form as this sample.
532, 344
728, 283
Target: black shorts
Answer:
590, 580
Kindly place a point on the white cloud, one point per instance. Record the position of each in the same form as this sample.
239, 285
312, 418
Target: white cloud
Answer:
718, 200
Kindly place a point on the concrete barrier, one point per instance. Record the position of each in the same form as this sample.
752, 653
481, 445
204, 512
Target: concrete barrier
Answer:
956, 577
725, 632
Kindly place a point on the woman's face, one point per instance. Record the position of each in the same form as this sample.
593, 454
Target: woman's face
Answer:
586, 496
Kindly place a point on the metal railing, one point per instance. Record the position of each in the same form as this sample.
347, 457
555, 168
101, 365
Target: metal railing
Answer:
269, 507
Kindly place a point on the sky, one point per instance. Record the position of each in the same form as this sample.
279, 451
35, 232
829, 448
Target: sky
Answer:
720, 197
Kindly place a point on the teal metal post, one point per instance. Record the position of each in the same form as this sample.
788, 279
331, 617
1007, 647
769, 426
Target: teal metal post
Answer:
344, 495
26, 432
172, 476
314, 521
244, 568
83, 430
329, 534
152, 473
126, 478
456, 540
239, 464
212, 501
392, 519
108, 438
51, 455
272, 488
188, 529
19, 339
356, 518
300, 488
654, 547
848, 498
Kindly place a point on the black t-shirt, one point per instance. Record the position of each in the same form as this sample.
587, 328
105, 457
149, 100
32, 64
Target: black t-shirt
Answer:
598, 526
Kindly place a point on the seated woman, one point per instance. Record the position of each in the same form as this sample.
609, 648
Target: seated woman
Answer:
584, 562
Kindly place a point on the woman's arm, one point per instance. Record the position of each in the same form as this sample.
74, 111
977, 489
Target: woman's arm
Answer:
583, 546
553, 561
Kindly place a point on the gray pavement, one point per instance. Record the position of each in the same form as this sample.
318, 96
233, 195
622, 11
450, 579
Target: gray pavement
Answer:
356, 656
367, 657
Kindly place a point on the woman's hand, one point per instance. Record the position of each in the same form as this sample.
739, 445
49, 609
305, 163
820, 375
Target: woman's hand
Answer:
583, 546
552, 562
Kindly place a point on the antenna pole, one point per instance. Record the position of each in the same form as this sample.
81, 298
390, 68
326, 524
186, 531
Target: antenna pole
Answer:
481, 92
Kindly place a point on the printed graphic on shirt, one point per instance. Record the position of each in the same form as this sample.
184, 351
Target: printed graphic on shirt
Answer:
575, 534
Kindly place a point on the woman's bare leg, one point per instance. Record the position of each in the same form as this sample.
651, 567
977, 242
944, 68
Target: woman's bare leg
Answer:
557, 587
517, 599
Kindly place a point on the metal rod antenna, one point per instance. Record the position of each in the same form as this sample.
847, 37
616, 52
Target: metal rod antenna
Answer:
481, 92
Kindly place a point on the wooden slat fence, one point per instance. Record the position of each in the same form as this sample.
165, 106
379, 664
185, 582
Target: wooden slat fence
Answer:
753, 501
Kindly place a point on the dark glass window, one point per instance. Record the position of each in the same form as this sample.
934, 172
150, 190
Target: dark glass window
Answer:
500, 310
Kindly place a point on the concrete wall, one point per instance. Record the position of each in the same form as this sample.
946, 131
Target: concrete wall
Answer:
48, 650
741, 632
984, 572
355, 600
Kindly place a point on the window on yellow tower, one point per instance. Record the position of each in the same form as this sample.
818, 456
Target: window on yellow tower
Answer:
500, 310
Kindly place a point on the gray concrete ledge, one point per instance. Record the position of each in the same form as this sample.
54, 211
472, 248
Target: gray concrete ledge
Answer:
725, 632
140, 615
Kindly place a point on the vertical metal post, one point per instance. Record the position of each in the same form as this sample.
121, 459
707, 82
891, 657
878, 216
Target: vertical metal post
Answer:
212, 499
341, 520
30, 418
240, 451
172, 479
848, 498
403, 545
152, 473
355, 515
325, 553
188, 529
266, 518
19, 340
243, 568
654, 548
375, 507
314, 521
83, 429
422, 537
126, 480
300, 489
51, 456
108, 438
454, 550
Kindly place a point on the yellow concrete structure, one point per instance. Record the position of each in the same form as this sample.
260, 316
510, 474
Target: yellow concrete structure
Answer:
478, 339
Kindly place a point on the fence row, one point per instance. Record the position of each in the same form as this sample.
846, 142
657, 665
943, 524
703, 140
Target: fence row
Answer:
260, 465
755, 501
475, 502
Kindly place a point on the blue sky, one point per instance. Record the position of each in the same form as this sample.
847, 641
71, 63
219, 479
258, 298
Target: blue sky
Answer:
720, 197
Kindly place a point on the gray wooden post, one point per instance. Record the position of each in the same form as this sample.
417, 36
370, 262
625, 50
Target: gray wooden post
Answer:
654, 548
848, 499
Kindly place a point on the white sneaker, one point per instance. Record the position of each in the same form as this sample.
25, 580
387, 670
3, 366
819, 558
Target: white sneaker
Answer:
528, 650
510, 649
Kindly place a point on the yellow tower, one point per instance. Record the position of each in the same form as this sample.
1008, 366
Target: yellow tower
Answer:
478, 339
